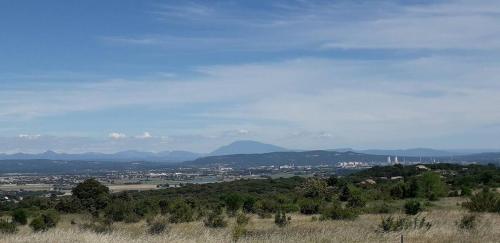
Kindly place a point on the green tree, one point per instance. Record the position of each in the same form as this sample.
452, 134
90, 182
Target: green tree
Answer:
431, 186
92, 195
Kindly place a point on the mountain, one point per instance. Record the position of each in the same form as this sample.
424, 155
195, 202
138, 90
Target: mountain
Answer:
247, 147
42, 166
413, 152
129, 155
318, 157
482, 158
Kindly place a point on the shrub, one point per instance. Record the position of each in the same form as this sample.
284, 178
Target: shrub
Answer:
180, 212
249, 205
19, 216
356, 199
215, 219
335, 211
412, 207
157, 226
313, 188
484, 201
379, 207
398, 190
45, 221
233, 202
281, 219
467, 222
390, 223
239, 229
7, 227
309, 206
118, 210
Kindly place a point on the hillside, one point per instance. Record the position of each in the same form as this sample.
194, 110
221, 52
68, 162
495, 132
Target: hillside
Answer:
247, 147
317, 157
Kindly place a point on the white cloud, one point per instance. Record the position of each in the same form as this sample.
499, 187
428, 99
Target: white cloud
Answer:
29, 136
145, 135
117, 135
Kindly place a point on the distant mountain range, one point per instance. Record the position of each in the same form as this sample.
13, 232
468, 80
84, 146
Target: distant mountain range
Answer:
238, 147
245, 147
129, 155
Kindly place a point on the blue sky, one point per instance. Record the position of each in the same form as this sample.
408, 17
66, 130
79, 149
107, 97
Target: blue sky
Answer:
106, 76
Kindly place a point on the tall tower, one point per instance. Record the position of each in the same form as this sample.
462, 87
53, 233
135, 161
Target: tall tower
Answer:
388, 159
396, 160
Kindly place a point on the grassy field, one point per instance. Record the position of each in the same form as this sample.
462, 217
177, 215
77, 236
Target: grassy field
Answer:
443, 217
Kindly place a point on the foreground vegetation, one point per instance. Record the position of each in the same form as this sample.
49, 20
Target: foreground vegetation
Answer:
433, 203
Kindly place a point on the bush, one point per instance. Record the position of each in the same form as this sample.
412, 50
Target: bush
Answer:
484, 201
356, 199
413, 207
118, 211
7, 227
45, 221
309, 206
390, 223
281, 219
19, 216
215, 219
233, 202
467, 222
180, 212
157, 226
379, 207
242, 219
313, 188
335, 211
239, 229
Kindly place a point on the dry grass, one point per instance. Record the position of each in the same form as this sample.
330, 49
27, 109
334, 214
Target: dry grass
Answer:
302, 229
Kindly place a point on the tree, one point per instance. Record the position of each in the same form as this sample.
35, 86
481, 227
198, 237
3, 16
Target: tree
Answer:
431, 186
92, 194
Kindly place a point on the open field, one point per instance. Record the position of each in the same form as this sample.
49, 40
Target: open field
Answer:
138, 187
302, 229
26, 187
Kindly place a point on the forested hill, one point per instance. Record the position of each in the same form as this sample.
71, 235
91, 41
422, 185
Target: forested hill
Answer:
318, 157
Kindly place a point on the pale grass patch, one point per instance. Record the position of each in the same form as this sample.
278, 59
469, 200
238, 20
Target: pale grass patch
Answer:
301, 229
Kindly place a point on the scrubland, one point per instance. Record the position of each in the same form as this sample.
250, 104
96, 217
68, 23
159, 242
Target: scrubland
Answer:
443, 217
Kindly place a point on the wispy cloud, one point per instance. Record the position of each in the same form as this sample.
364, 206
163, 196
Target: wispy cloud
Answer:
325, 25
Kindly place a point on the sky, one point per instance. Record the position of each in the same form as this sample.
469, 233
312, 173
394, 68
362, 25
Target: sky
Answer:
106, 76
